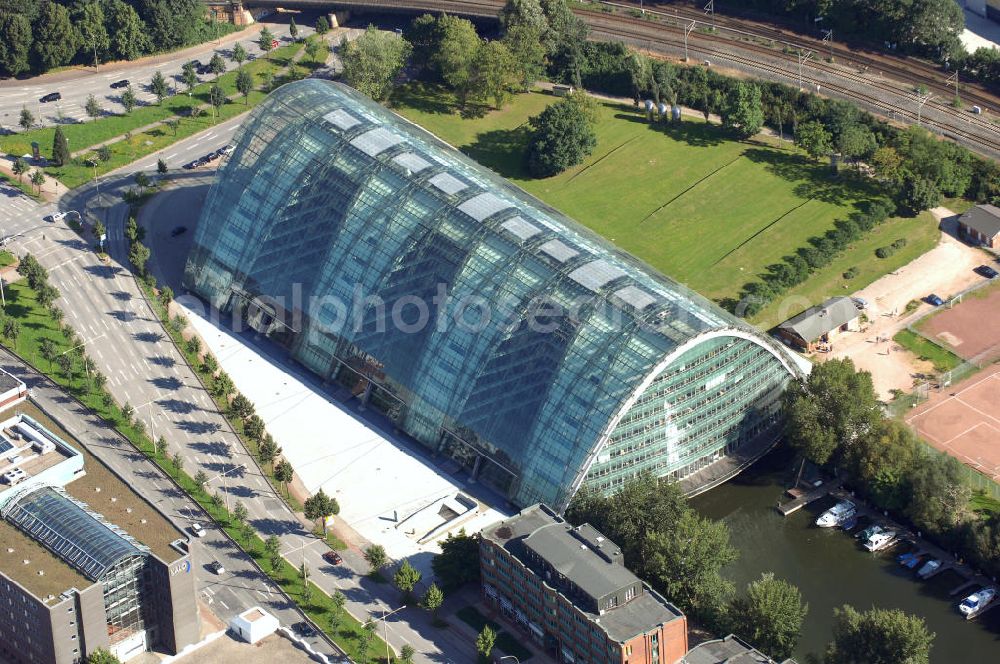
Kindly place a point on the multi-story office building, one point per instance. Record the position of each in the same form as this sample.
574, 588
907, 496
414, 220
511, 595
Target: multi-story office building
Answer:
85, 563
489, 326
568, 590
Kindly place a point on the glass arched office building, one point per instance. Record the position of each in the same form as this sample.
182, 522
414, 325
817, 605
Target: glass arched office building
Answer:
489, 326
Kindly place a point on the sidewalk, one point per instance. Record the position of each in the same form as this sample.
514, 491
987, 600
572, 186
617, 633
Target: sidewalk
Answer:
79, 72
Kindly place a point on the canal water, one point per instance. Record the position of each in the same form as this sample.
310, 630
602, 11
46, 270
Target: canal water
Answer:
831, 569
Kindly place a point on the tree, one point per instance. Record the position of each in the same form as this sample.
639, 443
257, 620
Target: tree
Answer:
376, 557
253, 427
66, 364
38, 179
128, 413
241, 407
141, 180
268, 449
284, 473
12, 330
160, 446
455, 53
940, 497
244, 84
528, 51
193, 346
99, 229
856, 142
406, 578
60, 148
458, 562
433, 599
886, 162
101, 656
173, 123
20, 167
518, 13
878, 636
217, 65
90, 24
158, 85
770, 616
55, 40
103, 153
743, 113
293, 30
138, 255
239, 54
495, 73
26, 120
222, 385
177, 461
272, 547
320, 506
161, 166
322, 25
128, 36
266, 42
313, 48
267, 78
200, 478
830, 411
485, 641
47, 349
16, 40
373, 60
190, 76
93, 108
217, 98
883, 460
562, 137
406, 654
813, 138
686, 563
129, 99
240, 512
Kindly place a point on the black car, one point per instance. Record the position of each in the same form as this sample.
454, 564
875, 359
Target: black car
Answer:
203, 69
986, 271
178, 230
120, 84
52, 96
194, 63
303, 629
192, 164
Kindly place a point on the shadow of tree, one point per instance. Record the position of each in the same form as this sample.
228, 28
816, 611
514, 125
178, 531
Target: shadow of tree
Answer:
814, 180
696, 134
501, 150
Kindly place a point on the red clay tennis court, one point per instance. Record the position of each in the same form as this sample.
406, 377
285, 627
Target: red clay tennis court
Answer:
964, 421
971, 328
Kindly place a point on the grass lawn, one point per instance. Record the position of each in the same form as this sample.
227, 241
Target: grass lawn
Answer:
23, 184
6, 258
505, 642
942, 358
708, 211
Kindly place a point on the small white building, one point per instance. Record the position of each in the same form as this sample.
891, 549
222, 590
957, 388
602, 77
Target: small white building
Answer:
254, 624
12, 390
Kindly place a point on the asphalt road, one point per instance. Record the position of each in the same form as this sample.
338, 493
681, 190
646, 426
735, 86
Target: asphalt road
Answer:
75, 91
228, 594
144, 368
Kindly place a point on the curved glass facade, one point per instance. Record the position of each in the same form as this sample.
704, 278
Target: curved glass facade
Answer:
489, 326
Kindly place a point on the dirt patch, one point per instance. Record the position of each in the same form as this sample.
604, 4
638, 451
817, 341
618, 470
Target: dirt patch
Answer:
971, 328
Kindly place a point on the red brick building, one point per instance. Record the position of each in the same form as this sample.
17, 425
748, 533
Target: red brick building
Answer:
567, 590
981, 225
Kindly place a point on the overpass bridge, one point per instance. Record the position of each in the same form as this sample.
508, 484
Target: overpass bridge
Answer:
472, 9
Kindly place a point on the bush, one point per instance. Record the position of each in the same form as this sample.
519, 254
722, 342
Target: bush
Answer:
850, 274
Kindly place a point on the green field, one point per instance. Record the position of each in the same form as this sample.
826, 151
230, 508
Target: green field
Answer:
708, 211
925, 349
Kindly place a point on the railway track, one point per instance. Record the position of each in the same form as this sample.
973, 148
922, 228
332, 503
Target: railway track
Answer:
725, 40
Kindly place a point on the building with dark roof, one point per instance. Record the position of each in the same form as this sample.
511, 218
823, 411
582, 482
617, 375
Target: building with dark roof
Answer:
981, 225
12, 390
568, 590
487, 325
71, 580
816, 328
730, 650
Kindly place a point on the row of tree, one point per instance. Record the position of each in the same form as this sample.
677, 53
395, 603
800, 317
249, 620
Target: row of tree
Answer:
835, 420
37, 35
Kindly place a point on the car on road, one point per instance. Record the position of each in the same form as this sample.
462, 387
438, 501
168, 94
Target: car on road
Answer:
52, 96
57, 216
192, 164
217, 567
303, 629
178, 230
227, 149
120, 84
986, 271
193, 63
197, 530
935, 300
332, 557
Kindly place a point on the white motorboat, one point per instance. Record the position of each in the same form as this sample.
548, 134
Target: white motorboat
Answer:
880, 541
973, 605
929, 568
837, 514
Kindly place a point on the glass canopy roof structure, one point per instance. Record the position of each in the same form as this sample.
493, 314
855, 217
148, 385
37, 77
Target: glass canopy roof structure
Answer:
489, 326
79, 536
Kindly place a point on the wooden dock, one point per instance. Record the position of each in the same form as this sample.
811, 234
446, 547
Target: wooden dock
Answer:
964, 586
813, 495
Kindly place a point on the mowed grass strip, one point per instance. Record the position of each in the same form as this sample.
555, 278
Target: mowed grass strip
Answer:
708, 211
925, 349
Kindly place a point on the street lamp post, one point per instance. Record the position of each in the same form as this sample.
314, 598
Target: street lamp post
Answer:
802, 58
225, 487
920, 105
687, 31
385, 628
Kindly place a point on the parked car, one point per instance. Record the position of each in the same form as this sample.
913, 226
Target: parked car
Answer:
192, 164
227, 149
217, 567
52, 96
303, 629
935, 300
197, 530
120, 84
178, 230
986, 271
57, 216
332, 557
